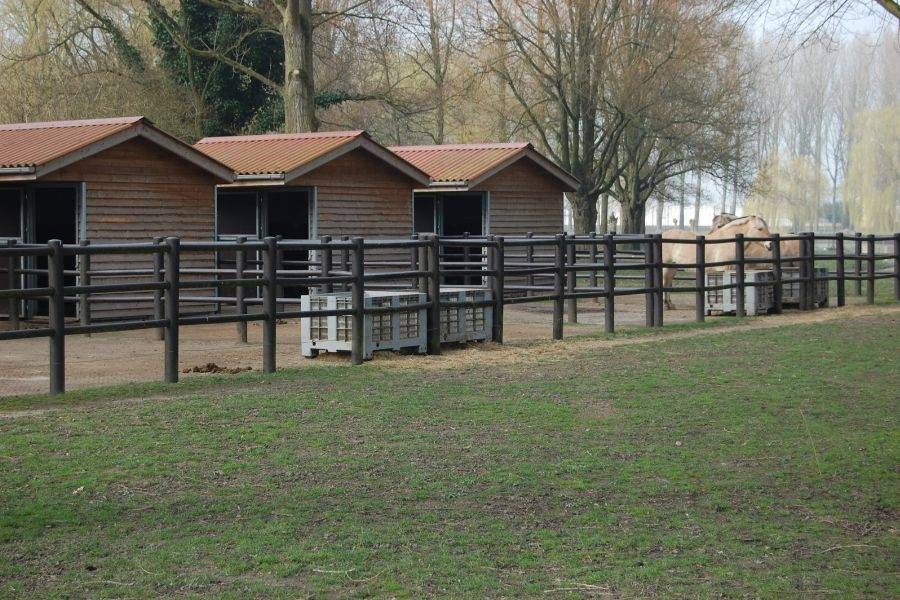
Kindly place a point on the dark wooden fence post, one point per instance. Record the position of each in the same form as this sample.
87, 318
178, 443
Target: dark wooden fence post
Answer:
839, 268
592, 258
84, 278
270, 308
559, 280
358, 333
279, 265
857, 250
345, 261
240, 265
498, 288
811, 295
700, 280
658, 304
159, 311
12, 283
422, 260
434, 294
609, 282
571, 280
173, 260
803, 273
57, 317
740, 309
897, 267
649, 296
327, 257
778, 292
870, 259
414, 260
529, 258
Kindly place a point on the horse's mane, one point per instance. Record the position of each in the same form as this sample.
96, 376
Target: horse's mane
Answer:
742, 221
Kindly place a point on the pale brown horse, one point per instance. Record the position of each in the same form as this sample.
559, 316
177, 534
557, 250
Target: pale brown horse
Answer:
750, 226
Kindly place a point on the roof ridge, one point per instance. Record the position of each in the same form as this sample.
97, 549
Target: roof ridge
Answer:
475, 146
280, 136
72, 123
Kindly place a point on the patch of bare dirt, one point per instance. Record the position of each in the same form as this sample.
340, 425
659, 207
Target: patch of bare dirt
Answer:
212, 367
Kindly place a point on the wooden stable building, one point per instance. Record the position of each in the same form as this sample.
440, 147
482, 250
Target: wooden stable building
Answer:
307, 185
481, 189
104, 180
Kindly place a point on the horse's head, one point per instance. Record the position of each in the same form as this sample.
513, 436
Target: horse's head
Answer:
752, 227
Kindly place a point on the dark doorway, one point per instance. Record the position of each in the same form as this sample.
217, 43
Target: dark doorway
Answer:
10, 214
461, 214
55, 210
287, 215
424, 213
10, 229
237, 214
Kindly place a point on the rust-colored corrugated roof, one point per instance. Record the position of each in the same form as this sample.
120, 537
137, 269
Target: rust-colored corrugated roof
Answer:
286, 156
31, 150
274, 153
458, 163
35, 144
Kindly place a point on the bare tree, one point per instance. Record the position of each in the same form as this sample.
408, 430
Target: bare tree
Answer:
556, 66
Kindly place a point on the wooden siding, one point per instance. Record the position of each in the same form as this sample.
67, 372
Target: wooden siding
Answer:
523, 198
359, 195
137, 191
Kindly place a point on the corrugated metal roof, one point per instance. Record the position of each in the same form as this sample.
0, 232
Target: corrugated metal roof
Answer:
274, 153
459, 163
35, 144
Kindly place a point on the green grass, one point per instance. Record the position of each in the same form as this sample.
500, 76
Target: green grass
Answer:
758, 463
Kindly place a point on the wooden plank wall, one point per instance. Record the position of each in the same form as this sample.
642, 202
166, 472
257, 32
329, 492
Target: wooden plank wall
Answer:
137, 191
359, 195
524, 198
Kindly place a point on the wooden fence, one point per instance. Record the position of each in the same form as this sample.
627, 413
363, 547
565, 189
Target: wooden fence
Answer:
558, 269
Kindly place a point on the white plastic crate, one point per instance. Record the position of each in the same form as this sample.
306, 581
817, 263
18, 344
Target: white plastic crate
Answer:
465, 324
382, 331
758, 299
790, 286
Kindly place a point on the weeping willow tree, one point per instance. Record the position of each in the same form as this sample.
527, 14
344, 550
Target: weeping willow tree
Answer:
872, 188
784, 193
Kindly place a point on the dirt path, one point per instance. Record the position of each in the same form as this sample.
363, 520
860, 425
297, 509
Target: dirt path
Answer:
118, 358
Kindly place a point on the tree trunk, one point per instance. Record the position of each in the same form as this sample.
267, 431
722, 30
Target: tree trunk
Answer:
584, 211
299, 92
724, 193
633, 217
437, 64
660, 207
734, 192
633, 206
681, 201
604, 214
698, 199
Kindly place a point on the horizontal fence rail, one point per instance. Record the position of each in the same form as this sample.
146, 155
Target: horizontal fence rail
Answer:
242, 281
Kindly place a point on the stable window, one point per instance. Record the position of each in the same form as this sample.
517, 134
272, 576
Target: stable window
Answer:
236, 214
453, 214
424, 213
10, 214
55, 218
260, 213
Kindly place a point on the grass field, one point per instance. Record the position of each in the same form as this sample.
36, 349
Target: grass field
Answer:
760, 463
